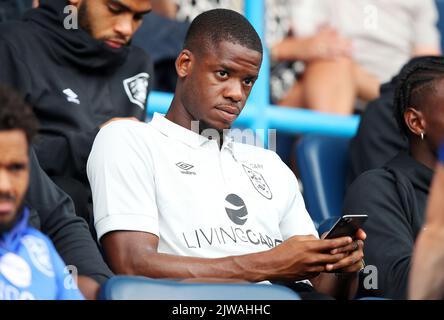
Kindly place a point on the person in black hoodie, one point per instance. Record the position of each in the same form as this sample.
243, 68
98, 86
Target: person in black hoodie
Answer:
52, 212
378, 139
75, 66
395, 196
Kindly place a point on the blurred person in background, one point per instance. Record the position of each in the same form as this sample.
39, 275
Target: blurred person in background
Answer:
78, 71
377, 139
395, 195
30, 267
349, 48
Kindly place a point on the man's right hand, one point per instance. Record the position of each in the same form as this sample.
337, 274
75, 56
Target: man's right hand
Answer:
304, 257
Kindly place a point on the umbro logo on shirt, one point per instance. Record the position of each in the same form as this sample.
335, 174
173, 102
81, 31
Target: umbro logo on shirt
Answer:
186, 168
71, 96
236, 209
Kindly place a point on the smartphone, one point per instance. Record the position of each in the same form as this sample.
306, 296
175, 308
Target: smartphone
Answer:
346, 225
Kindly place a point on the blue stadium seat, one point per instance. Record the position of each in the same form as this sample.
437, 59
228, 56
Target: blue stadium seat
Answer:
440, 6
322, 162
142, 288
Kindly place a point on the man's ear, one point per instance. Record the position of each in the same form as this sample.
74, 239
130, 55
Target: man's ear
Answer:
184, 63
414, 120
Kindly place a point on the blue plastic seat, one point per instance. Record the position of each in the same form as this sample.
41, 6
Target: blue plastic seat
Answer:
323, 162
142, 288
440, 7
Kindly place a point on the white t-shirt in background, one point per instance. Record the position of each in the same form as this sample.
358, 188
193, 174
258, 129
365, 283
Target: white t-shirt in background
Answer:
384, 32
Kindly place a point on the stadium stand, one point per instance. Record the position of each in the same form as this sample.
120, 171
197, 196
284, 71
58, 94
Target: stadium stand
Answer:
259, 113
322, 162
323, 170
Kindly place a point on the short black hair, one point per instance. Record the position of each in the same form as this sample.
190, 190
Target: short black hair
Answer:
16, 114
212, 27
416, 81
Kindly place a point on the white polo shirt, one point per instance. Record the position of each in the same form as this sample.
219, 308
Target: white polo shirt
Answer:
200, 200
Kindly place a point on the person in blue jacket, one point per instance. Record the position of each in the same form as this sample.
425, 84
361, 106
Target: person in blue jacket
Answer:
30, 267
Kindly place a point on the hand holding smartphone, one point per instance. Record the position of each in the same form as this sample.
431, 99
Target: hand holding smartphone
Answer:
347, 225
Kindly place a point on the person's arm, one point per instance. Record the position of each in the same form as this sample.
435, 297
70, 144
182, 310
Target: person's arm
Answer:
390, 239
298, 258
344, 284
326, 44
69, 233
426, 276
421, 51
367, 85
426, 34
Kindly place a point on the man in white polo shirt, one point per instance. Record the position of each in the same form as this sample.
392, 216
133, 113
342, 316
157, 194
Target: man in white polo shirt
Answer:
171, 203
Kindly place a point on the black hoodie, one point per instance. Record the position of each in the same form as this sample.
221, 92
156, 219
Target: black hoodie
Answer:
52, 212
379, 137
74, 83
395, 198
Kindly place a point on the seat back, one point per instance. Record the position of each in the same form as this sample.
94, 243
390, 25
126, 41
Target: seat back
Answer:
142, 288
440, 7
323, 162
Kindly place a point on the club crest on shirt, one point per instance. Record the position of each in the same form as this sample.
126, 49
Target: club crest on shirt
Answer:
16, 270
258, 182
137, 88
39, 253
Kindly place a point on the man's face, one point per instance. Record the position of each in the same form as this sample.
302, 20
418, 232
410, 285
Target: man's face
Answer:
112, 21
217, 82
14, 174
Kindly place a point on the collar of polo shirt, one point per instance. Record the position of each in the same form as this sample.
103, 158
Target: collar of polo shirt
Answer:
188, 137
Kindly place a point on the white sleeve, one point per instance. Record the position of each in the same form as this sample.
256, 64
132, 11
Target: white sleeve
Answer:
121, 175
425, 19
295, 220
